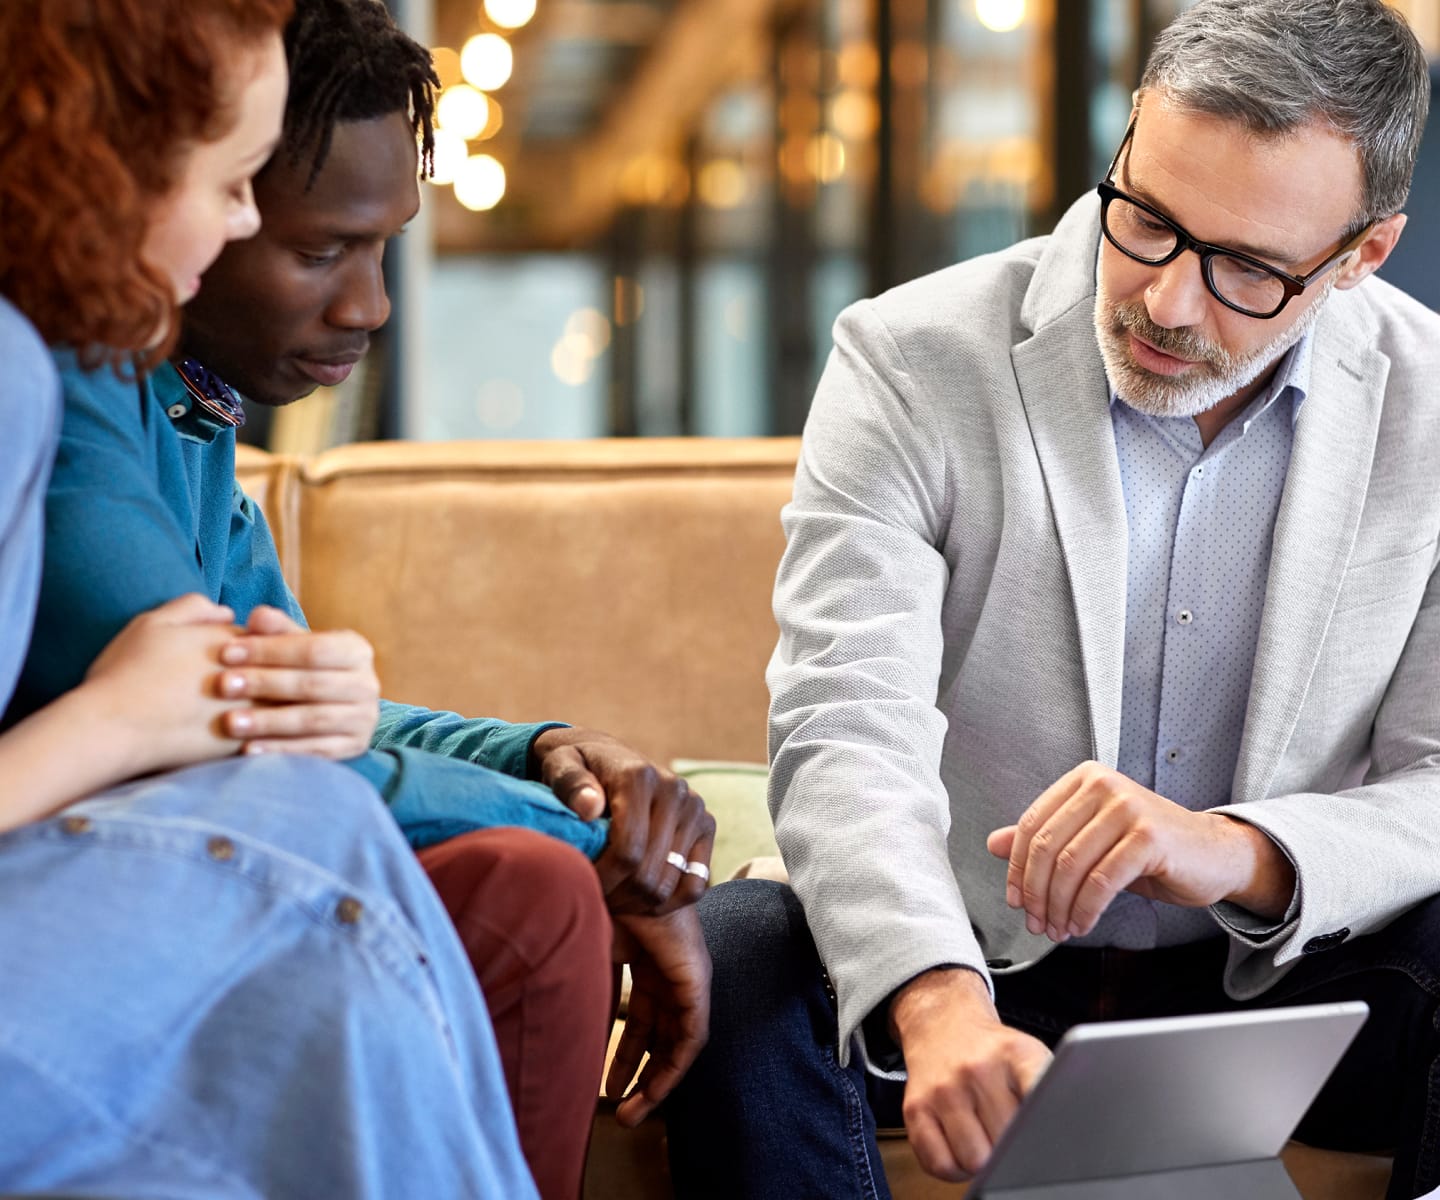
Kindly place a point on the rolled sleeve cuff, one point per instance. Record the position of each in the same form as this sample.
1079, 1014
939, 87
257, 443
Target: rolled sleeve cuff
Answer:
1260, 933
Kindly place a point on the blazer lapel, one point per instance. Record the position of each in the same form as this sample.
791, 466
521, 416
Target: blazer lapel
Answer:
1066, 397
1315, 531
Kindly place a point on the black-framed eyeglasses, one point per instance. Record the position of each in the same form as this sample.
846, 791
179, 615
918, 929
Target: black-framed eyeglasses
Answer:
1237, 280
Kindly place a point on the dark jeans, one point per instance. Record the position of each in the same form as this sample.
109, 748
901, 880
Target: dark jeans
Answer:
767, 1110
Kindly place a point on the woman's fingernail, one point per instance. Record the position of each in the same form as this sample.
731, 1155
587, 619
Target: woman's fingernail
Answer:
254, 748
241, 723
1033, 924
232, 685
234, 653
1012, 896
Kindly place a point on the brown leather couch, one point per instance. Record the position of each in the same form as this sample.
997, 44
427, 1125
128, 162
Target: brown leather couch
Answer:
619, 584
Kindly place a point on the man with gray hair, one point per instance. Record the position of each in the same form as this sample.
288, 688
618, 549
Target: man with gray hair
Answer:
1109, 628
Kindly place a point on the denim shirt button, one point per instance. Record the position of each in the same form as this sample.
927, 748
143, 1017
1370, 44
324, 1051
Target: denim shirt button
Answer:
349, 910
76, 824
221, 849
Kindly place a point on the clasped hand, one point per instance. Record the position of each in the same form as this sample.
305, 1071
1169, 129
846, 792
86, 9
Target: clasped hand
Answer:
312, 693
655, 820
653, 815
271, 686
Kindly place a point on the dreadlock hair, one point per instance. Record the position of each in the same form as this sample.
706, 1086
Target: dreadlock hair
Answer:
349, 61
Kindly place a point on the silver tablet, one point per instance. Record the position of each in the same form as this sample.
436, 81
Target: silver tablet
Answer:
1141, 1098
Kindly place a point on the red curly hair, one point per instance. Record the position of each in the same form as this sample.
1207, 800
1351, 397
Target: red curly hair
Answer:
97, 100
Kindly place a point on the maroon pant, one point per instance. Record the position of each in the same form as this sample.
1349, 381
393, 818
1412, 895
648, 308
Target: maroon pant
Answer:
531, 915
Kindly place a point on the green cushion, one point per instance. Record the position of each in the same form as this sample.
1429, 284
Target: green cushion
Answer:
735, 795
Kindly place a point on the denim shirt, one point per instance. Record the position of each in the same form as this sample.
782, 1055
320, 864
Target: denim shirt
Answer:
30, 412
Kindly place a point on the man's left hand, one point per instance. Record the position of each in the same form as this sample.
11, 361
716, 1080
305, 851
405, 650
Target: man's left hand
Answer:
1095, 832
653, 814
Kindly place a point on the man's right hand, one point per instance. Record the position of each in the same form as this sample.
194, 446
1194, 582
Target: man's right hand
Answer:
655, 818
968, 1070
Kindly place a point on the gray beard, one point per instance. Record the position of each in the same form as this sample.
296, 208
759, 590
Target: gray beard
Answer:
1216, 375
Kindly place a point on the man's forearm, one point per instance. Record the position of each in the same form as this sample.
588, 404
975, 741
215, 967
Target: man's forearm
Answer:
485, 741
1268, 875
934, 994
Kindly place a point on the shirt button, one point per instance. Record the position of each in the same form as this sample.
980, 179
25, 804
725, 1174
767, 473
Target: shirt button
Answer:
1172, 756
1198, 472
76, 824
348, 911
176, 411
221, 849
1184, 616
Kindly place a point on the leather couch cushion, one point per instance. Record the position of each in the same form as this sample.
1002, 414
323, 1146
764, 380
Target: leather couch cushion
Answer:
624, 585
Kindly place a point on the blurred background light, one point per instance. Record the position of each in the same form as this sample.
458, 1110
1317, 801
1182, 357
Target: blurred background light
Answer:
721, 183
591, 327
463, 111
486, 61
1000, 16
493, 123
510, 14
480, 183
571, 360
825, 158
450, 152
447, 66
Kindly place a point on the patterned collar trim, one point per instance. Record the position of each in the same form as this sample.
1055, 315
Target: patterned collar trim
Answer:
216, 397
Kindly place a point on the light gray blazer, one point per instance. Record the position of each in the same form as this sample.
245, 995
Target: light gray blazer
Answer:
952, 618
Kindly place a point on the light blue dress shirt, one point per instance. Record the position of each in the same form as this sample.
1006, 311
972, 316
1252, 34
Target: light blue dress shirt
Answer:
1200, 520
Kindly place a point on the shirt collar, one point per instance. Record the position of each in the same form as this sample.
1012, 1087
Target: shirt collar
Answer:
189, 418
1293, 374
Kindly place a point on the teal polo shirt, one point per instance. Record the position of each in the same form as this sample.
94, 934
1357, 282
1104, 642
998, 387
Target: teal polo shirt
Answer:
143, 507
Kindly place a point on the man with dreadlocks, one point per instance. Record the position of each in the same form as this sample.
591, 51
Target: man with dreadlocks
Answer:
144, 507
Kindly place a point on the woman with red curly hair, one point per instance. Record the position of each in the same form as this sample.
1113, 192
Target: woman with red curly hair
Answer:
231, 980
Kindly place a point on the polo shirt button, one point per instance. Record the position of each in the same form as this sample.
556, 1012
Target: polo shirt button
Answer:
349, 911
176, 411
1184, 616
76, 824
221, 849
